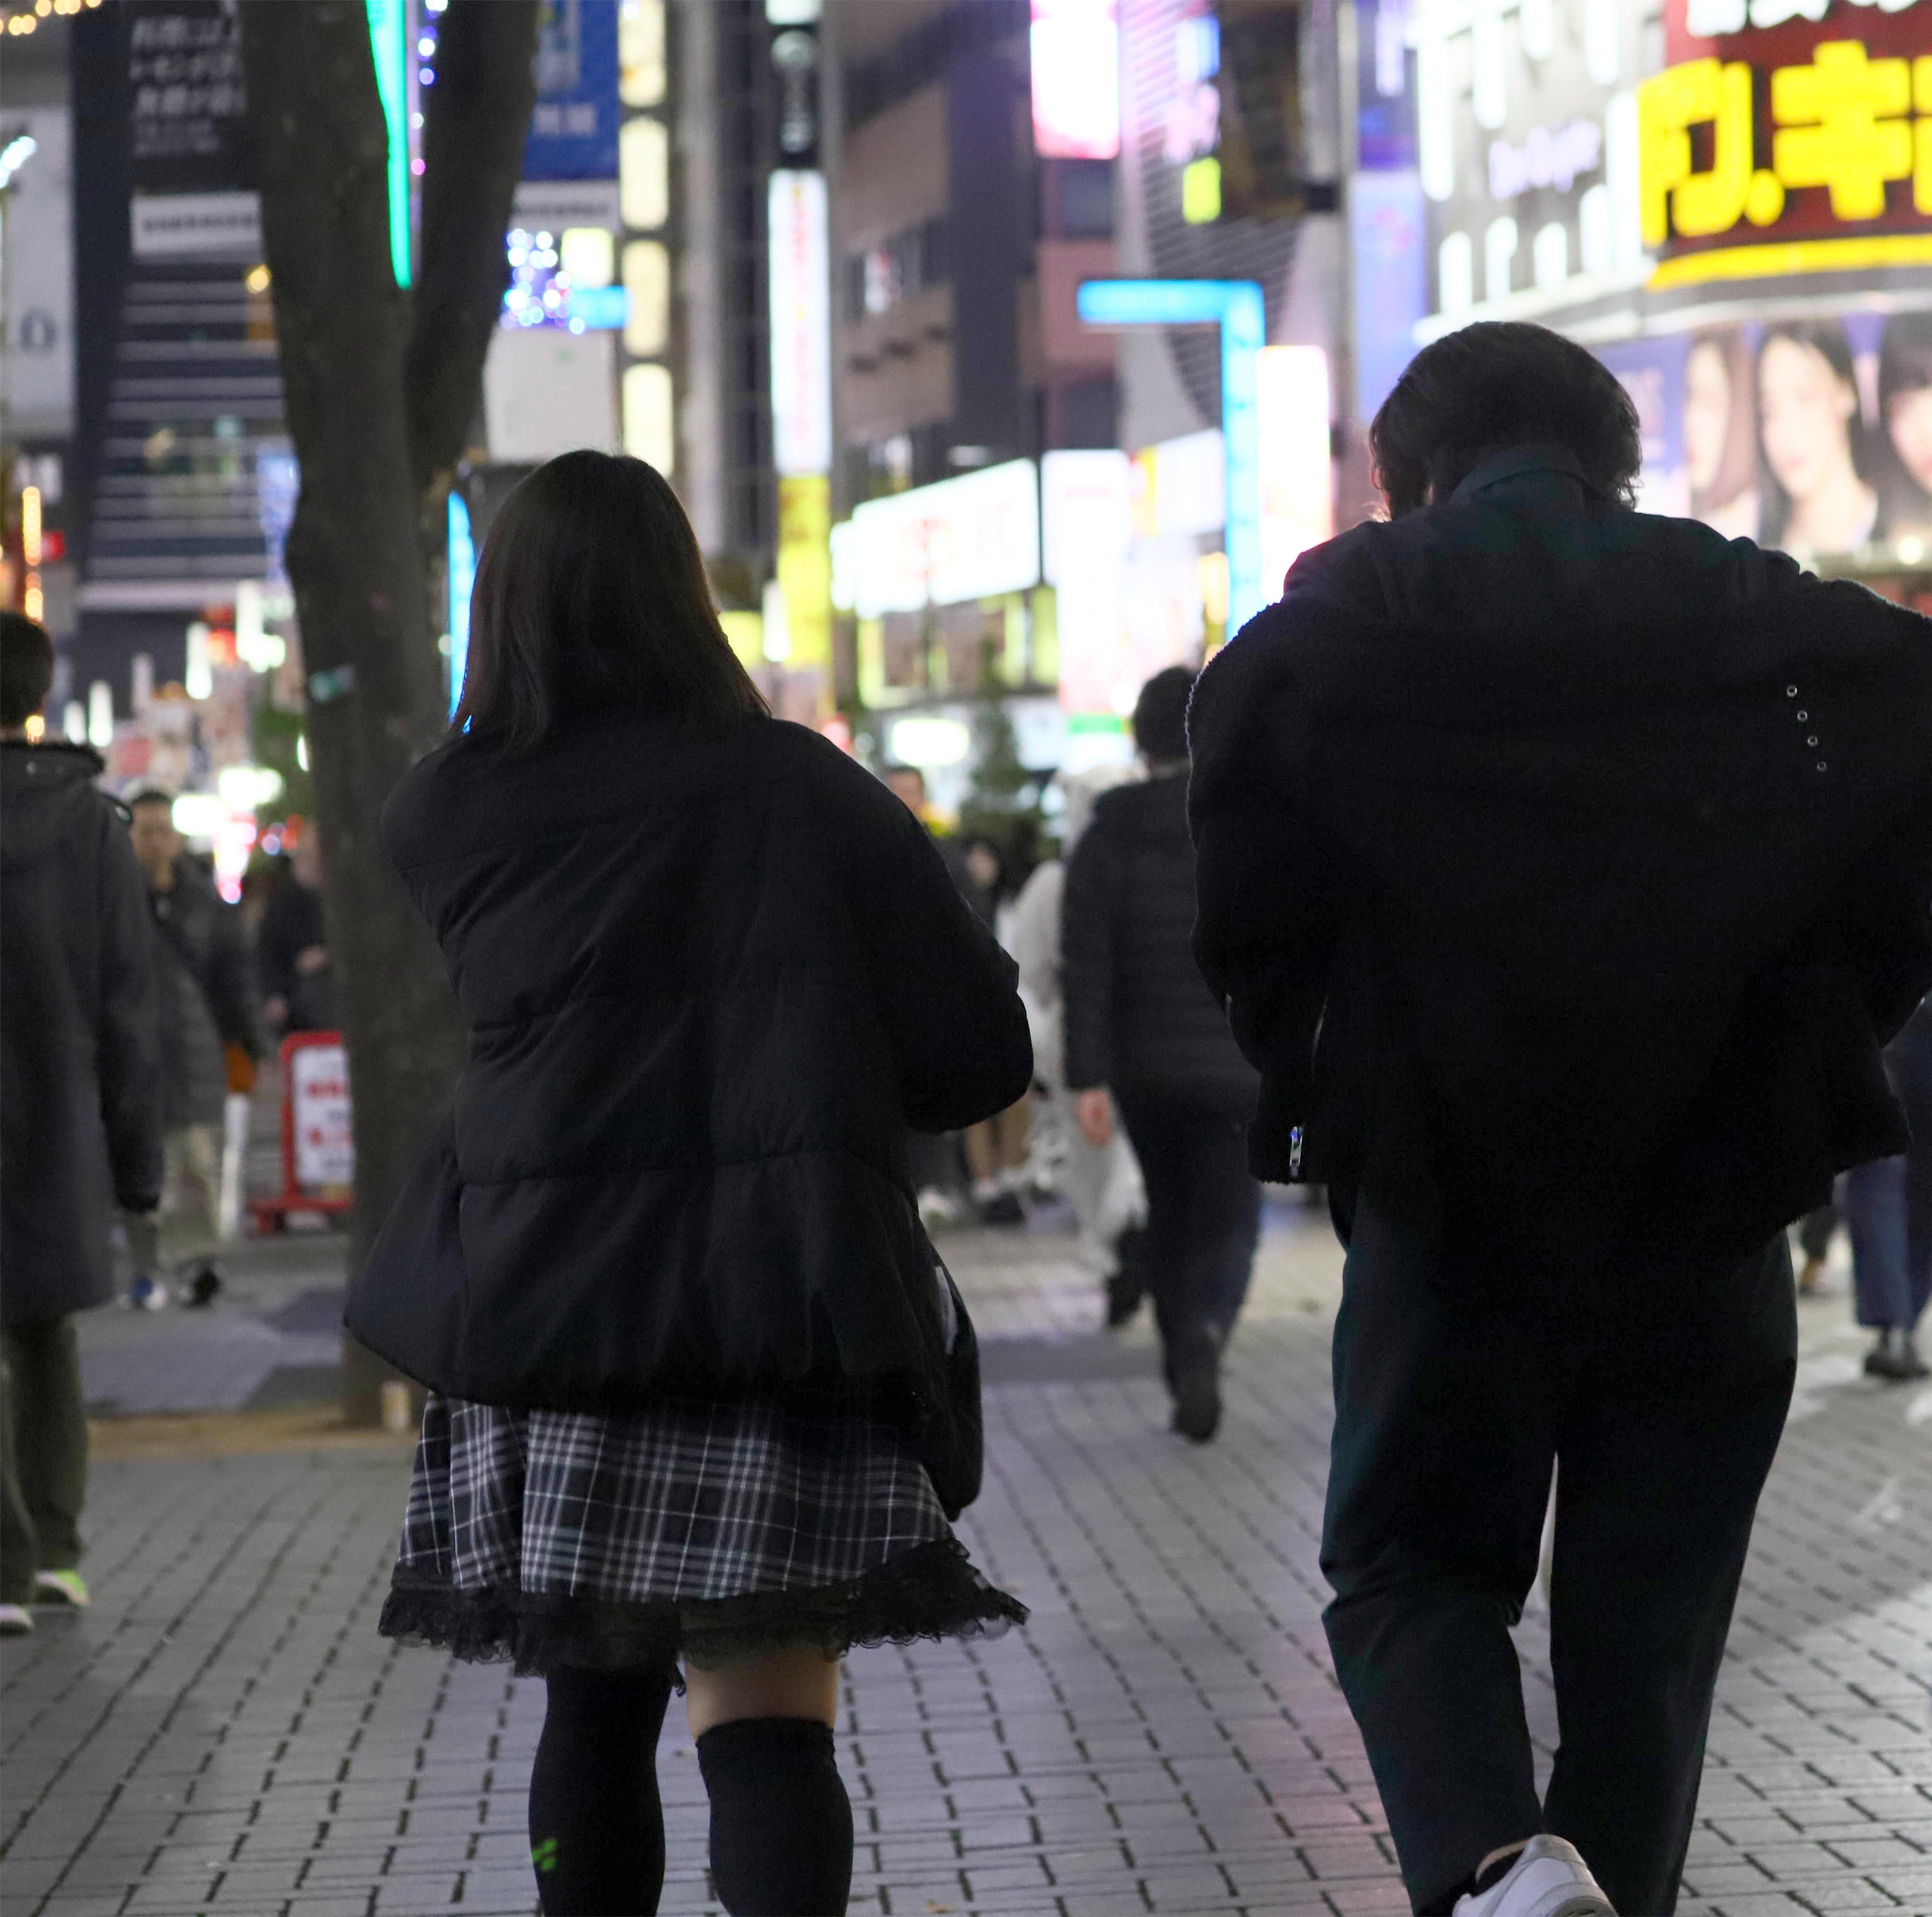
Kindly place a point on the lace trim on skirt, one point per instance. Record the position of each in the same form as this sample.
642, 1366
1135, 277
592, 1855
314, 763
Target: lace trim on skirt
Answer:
931, 1592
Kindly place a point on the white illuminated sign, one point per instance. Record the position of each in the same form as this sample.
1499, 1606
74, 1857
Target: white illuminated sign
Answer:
1085, 531
1297, 471
1075, 47
801, 316
965, 539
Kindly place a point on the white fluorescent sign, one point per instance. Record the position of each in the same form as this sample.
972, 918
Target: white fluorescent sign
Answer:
801, 312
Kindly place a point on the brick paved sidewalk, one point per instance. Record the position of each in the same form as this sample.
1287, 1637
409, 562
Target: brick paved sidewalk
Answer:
223, 1732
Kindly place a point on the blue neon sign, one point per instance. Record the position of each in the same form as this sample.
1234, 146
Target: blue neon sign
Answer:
462, 570
1236, 306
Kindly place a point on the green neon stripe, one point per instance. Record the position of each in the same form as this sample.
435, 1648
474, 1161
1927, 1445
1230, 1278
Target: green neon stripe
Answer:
388, 46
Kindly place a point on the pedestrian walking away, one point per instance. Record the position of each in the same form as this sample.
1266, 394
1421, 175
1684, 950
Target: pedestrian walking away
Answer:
1102, 1183
205, 1003
1888, 1208
80, 1112
1565, 869
1145, 1039
703, 1399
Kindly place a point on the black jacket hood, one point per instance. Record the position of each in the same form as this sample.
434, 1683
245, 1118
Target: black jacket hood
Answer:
42, 789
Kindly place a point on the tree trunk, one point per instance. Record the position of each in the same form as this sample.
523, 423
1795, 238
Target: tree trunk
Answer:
351, 374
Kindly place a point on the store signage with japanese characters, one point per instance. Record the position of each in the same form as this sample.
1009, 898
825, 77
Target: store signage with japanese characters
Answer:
1788, 137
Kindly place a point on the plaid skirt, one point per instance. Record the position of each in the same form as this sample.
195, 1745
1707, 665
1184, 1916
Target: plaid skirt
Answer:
694, 1530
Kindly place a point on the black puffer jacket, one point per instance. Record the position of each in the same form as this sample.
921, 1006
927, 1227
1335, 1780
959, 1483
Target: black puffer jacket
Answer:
1138, 1012
709, 983
80, 1089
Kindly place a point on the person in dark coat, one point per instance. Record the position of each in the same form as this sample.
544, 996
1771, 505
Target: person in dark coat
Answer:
1565, 869
701, 1391
206, 1009
1144, 1035
80, 1110
292, 954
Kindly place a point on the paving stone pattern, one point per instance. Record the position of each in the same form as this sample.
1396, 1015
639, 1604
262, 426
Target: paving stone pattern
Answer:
224, 1733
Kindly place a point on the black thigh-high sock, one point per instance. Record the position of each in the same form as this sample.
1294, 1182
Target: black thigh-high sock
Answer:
781, 1821
596, 1826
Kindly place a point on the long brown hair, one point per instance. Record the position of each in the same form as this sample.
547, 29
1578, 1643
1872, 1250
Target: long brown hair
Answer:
591, 596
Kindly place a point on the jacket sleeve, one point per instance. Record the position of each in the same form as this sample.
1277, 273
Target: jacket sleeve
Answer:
1087, 957
128, 1042
1269, 886
946, 991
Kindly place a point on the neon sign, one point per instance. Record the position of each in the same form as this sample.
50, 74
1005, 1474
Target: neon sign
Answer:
1811, 132
1236, 306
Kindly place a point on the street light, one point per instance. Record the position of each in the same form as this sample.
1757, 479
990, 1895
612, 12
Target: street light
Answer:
1236, 306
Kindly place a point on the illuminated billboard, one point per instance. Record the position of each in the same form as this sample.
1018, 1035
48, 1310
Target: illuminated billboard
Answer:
1781, 140
966, 539
1075, 46
1813, 433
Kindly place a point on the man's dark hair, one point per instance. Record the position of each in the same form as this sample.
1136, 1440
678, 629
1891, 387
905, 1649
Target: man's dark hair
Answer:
1160, 714
151, 795
26, 667
591, 596
1496, 384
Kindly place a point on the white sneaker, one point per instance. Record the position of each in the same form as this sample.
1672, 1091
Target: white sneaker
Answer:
1548, 1879
15, 1621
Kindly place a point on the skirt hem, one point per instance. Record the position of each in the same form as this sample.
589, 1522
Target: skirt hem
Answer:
931, 1592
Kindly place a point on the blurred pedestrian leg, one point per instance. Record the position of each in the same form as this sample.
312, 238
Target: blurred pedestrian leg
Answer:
1204, 1221
45, 1437
1815, 1233
1452, 1400
1888, 1210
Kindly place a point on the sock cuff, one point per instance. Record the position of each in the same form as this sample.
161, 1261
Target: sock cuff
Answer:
762, 1739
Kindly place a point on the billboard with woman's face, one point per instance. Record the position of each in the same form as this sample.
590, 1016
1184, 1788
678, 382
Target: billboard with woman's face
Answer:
1811, 435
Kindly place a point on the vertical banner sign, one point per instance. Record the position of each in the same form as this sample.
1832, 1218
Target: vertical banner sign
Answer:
1297, 477
573, 132
801, 320
191, 150
1085, 526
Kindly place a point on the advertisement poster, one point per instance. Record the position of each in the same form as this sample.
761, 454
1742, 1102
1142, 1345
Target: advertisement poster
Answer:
1813, 435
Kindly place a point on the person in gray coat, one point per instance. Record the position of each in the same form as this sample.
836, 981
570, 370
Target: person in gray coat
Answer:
206, 1002
80, 1111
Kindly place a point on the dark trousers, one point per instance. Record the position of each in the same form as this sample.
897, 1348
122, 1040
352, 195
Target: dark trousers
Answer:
42, 1454
1662, 1405
1203, 1210
1889, 1203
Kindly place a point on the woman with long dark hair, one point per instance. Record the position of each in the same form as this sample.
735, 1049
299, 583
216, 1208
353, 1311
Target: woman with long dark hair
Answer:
1821, 499
702, 1400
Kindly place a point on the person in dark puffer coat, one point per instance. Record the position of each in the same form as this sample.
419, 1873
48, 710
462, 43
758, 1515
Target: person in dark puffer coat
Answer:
701, 1392
80, 1098
1144, 1034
